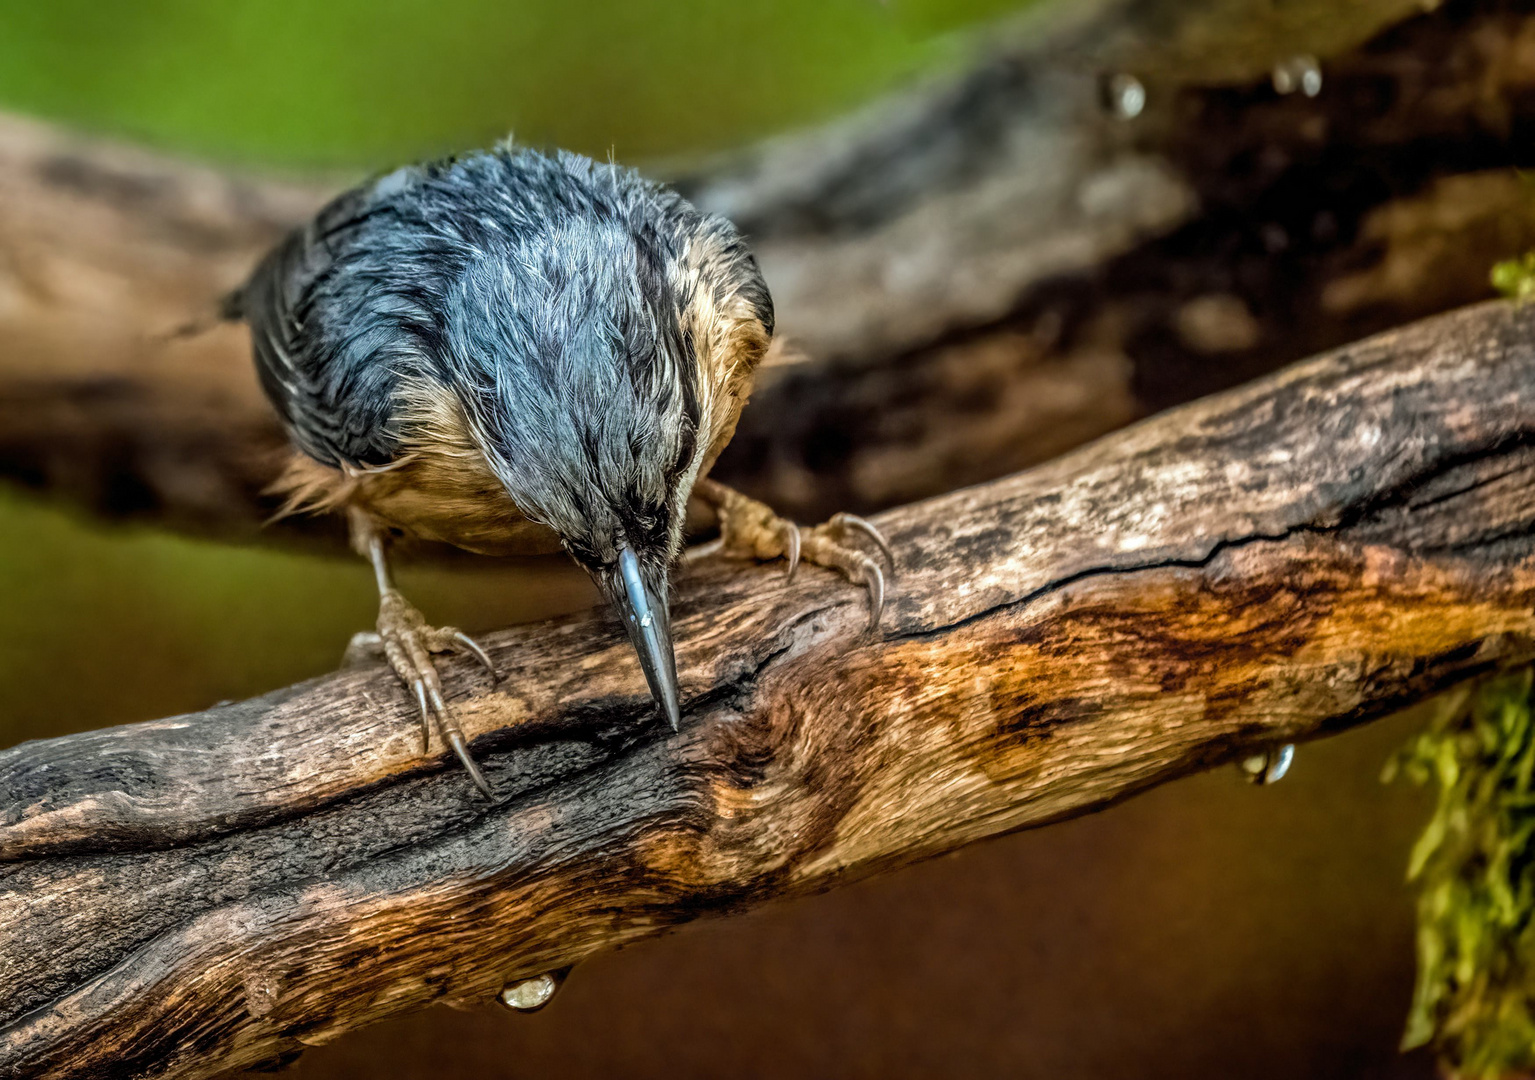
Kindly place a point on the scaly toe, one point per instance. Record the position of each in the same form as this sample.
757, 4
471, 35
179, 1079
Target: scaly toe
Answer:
454, 737
408, 644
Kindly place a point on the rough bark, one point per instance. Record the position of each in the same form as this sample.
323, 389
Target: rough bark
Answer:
106, 254
1271, 564
1275, 226
980, 271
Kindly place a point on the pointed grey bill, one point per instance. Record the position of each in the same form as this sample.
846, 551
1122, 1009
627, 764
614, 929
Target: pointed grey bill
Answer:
649, 624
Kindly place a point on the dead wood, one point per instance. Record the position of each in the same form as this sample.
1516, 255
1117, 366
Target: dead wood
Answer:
980, 271
1272, 564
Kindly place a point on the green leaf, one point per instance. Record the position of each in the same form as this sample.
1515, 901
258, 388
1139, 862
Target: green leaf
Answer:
1474, 865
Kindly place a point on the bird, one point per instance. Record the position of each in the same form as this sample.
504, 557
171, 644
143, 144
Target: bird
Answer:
518, 352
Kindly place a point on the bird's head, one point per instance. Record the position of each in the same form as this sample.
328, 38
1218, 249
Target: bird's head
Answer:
603, 353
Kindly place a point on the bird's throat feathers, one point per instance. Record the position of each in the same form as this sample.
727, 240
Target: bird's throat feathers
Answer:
599, 396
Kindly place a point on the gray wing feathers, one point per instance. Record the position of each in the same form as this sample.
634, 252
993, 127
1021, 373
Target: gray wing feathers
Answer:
315, 337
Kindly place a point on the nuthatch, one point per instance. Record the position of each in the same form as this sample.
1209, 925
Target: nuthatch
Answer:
516, 353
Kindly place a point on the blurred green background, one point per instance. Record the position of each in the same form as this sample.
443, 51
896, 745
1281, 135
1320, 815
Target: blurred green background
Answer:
372, 82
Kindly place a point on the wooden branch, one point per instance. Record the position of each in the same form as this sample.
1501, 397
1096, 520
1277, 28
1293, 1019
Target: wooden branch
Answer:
980, 272
105, 254
1275, 227
1276, 563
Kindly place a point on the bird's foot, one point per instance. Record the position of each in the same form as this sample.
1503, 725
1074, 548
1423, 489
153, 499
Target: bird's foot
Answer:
406, 641
750, 529
1270, 766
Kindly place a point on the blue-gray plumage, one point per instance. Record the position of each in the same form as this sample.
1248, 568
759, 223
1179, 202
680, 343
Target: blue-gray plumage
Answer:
515, 352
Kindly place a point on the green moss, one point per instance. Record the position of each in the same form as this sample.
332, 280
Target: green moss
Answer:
1515, 278
1475, 869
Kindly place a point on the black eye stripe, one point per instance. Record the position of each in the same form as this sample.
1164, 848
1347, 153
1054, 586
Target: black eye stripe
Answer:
686, 446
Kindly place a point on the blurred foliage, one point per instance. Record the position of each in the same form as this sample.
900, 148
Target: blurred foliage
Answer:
1475, 870
1515, 278
372, 82
1475, 862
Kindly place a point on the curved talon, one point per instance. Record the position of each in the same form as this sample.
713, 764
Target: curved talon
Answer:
456, 740
858, 524
793, 552
480, 654
874, 577
751, 529
418, 687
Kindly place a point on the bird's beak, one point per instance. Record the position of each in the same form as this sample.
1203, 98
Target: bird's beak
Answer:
649, 623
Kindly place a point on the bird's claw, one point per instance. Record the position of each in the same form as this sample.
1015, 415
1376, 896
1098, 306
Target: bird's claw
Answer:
1269, 766
846, 521
408, 643
873, 575
477, 650
792, 542
750, 529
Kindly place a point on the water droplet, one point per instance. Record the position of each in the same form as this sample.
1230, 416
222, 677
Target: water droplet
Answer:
1124, 95
1270, 766
1301, 72
530, 995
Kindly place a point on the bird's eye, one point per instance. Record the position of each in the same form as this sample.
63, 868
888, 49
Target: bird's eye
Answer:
585, 554
685, 446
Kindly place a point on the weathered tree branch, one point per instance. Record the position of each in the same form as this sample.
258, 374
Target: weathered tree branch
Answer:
980, 272
1275, 563
105, 254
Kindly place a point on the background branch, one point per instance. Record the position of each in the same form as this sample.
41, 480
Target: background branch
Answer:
1275, 563
979, 272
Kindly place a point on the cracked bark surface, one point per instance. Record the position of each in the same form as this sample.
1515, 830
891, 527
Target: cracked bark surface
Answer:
1275, 563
